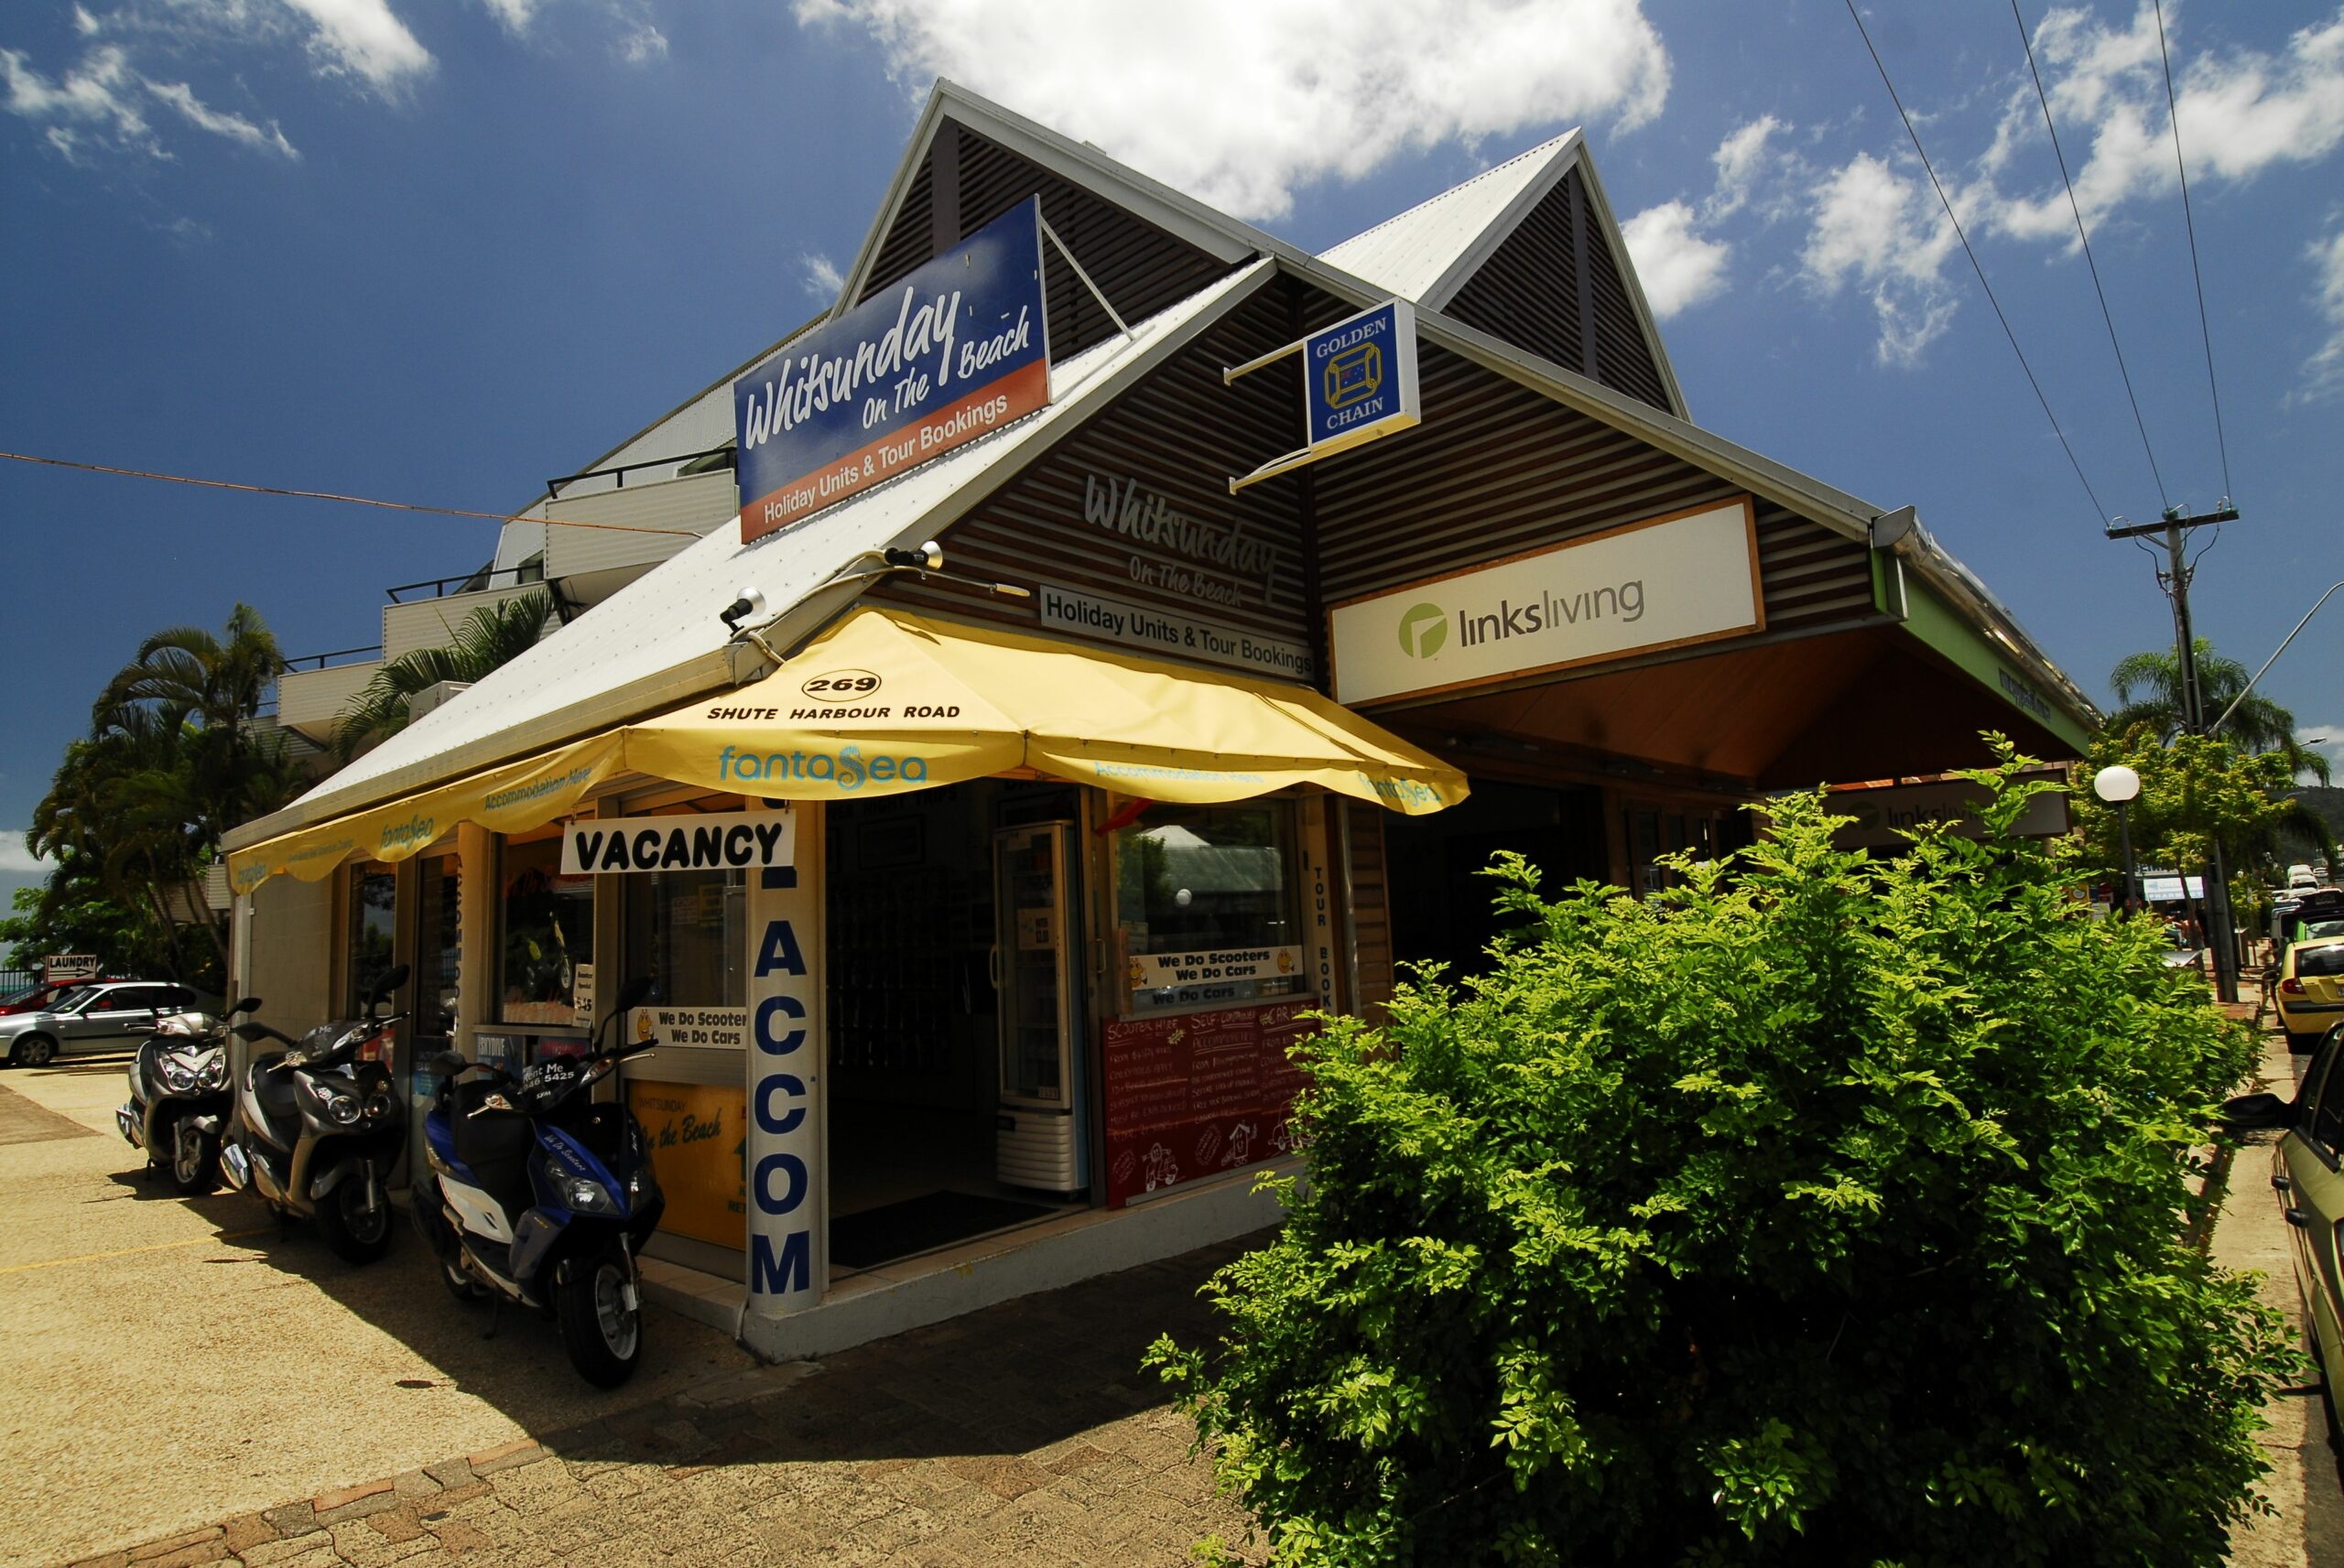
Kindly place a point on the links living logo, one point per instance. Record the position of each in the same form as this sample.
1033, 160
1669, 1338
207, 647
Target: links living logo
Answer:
1423, 630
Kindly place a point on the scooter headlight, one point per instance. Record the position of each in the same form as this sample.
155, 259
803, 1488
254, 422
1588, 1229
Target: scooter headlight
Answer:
587, 1197
215, 1073
177, 1077
640, 1186
342, 1109
378, 1105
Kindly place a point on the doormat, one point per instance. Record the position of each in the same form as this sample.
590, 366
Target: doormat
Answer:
918, 1225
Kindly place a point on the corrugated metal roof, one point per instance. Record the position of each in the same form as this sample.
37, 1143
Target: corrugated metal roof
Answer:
667, 621
1410, 253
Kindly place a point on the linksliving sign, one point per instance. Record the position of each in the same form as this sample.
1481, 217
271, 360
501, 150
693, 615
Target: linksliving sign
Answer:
958, 349
1662, 583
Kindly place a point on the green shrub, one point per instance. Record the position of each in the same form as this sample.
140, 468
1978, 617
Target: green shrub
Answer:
1815, 1211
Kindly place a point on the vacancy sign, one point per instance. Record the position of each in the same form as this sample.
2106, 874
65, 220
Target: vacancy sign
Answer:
697, 841
952, 353
1663, 583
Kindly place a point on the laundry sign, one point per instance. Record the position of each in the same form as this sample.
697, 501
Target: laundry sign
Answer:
695, 841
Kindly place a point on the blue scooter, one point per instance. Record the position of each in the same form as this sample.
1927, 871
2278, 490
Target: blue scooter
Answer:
536, 1194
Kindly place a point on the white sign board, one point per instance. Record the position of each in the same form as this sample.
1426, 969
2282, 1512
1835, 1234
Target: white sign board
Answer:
581, 993
713, 1028
1883, 818
695, 841
1159, 971
1163, 631
61, 967
2170, 890
1658, 584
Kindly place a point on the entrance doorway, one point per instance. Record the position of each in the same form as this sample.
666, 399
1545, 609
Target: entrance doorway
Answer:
1441, 909
929, 1134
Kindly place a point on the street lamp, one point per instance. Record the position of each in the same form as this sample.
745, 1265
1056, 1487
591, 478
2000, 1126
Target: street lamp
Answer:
2120, 786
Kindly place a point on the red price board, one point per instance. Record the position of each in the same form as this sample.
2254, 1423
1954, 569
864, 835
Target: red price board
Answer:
1197, 1094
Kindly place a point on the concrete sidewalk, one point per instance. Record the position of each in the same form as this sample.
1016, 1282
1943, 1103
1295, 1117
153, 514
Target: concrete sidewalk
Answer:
1023, 1434
2307, 1531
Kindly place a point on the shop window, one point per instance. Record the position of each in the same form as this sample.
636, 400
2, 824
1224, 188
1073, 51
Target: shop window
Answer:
1206, 908
438, 946
547, 930
373, 922
686, 930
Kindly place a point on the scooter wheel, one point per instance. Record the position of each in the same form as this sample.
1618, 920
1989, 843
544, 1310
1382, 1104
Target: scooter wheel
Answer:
357, 1234
601, 1308
195, 1160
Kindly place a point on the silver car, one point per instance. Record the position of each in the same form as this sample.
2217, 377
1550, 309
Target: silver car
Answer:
89, 1019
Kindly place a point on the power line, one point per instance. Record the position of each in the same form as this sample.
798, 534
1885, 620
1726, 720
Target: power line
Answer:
2100, 513
2173, 118
2043, 98
330, 495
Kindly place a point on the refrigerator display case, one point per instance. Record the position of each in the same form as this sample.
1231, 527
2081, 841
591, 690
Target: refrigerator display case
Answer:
1041, 1138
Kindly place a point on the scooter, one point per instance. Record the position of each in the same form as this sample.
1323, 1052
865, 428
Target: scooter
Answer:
180, 1099
538, 1195
317, 1129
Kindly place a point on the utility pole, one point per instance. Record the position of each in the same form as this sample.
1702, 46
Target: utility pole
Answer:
2174, 578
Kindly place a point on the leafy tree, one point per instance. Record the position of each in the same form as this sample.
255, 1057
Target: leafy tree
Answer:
1812, 1211
136, 811
489, 637
2148, 684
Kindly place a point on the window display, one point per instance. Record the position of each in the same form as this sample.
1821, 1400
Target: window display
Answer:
687, 931
1205, 905
547, 930
374, 924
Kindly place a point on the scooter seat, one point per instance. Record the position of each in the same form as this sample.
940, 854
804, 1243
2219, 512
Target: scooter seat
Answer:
274, 1094
495, 1147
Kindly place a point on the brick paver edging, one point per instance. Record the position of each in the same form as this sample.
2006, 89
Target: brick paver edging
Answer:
1027, 1432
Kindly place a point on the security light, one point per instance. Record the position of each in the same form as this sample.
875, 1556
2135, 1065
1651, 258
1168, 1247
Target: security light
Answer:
2116, 783
749, 602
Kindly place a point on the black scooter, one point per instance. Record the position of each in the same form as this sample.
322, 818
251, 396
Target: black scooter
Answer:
318, 1131
180, 1099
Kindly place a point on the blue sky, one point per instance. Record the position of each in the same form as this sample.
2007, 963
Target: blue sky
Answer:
438, 253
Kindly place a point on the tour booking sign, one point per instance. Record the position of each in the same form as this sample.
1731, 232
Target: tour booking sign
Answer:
953, 351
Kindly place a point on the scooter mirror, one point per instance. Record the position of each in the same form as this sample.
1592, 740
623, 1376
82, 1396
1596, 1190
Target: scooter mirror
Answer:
249, 1004
250, 1034
631, 995
393, 979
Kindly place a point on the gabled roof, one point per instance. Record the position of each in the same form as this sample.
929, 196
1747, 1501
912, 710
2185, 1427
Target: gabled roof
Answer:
1431, 251
1424, 254
658, 642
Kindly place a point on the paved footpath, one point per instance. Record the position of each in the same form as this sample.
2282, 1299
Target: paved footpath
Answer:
2306, 1527
1024, 1433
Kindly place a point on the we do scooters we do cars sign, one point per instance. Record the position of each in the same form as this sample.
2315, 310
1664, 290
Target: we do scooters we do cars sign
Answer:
953, 351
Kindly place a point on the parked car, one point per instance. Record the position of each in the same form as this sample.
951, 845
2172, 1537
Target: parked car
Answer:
2306, 1174
2310, 994
106, 1016
47, 994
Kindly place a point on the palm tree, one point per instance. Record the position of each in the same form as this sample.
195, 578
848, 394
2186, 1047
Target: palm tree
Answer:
216, 682
2148, 684
490, 637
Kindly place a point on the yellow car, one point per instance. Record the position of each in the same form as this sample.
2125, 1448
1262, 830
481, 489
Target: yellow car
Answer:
2310, 997
2307, 1174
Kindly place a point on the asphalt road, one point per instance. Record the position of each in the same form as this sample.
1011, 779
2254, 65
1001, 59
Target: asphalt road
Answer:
169, 1362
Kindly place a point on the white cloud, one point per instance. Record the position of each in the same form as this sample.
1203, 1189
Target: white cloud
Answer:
219, 122
2323, 370
17, 857
363, 38
2240, 113
100, 93
1678, 266
1743, 160
1240, 102
1884, 232
823, 278
515, 14
645, 44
